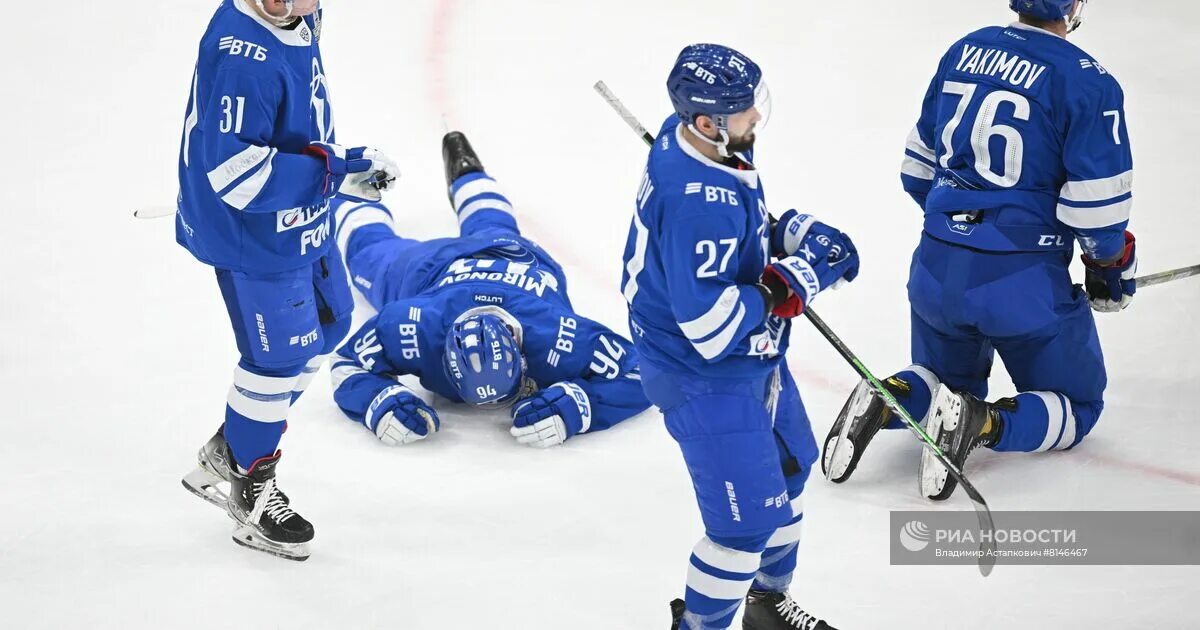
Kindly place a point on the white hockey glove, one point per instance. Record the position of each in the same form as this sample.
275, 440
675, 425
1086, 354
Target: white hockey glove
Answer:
552, 416
398, 416
358, 174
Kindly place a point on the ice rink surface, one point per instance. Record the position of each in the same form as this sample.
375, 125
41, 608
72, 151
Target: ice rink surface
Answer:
118, 353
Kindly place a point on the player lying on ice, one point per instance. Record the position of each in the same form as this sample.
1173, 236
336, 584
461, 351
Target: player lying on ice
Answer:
481, 318
1020, 151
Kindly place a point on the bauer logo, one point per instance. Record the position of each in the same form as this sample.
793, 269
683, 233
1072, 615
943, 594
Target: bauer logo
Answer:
914, 536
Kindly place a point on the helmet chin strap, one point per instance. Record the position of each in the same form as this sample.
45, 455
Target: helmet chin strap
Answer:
279, 20
722, 145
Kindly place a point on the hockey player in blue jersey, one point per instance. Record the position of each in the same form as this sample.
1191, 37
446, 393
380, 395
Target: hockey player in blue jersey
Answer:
709, 312
257, 169
481, 318
1020, 151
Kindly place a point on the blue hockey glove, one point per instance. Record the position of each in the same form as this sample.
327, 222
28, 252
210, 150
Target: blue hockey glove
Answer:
358, 174
398, 416
812, 270
793, 229
552, 416
1110, 287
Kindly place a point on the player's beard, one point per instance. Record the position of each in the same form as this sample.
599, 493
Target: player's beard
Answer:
739, 145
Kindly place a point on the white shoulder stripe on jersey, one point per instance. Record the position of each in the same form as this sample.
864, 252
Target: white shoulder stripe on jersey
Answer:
477, 187
714, 347
483, 204
245, 161
918, 146
1104, 216
916, 168
1098, 189
718, 314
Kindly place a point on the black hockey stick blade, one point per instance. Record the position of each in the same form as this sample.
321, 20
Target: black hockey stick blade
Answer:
1167, 276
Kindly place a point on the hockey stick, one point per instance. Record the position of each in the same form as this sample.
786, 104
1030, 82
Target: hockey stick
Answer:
154, 212
987, 545
1167, 276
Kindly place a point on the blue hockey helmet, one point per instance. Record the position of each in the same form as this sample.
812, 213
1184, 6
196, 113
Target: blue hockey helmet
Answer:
483, 357
718, 82
1051, 10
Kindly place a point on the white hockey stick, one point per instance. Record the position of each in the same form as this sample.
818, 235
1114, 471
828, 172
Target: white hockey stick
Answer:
154, 212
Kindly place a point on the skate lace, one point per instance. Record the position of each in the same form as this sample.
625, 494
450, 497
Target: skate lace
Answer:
270, 501
795, 616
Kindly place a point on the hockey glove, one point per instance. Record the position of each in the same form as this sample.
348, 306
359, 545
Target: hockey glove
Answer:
809, 272
1110, 287
398, 416
793, 229
552, 416
358, 174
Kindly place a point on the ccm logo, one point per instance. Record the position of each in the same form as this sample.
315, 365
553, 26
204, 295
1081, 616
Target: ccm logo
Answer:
1051, 240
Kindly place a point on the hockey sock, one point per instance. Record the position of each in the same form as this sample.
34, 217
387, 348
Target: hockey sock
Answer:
476, 193
360, 221
779, 558
719, 575
306, 377
1045, 421
256, 410
921, 383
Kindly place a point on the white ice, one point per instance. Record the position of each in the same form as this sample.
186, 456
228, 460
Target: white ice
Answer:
118, 352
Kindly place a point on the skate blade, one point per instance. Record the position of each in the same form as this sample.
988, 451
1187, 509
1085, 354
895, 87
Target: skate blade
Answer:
944, 415
250, 538
206, 486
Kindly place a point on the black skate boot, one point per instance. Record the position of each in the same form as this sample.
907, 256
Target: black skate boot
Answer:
778, 611
677, 610
459, 158
213, 463
863, 415
959, 424
265, 519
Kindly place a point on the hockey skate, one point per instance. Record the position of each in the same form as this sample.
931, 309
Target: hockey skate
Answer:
958, 423
459, 158
677, 610
212, 470
861, 418
778, 611
265, 520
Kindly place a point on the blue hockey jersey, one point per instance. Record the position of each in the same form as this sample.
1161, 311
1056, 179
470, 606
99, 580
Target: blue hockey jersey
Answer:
1022, 146
697, 246
505, 275
249, 198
